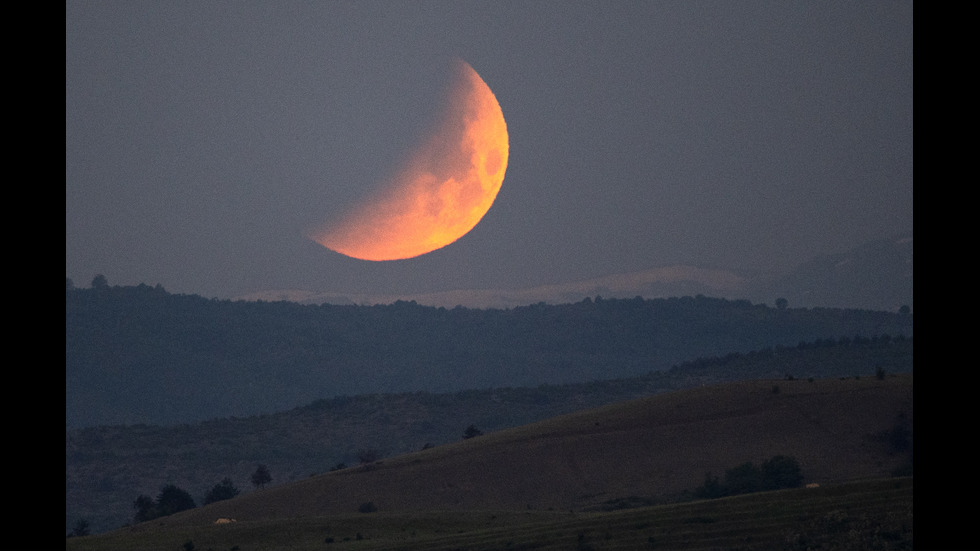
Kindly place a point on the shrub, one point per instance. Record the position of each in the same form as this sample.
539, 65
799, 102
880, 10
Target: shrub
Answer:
368, 456
778, 472
261, 476
367, 507
781, 471
173, 500
743, 479
221, 491
711, 488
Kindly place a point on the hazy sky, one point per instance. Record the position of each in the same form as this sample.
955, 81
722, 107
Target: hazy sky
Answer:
204, 138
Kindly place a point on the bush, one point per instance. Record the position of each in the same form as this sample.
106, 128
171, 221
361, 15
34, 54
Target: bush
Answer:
781, 471
221, 491
778, 472
368, 456
711, 488
171, 500
261, 476
367, 507
743, 479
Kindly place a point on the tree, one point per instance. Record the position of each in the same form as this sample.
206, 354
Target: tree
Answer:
471, 431
743, 479
781, 303
368, 456
170, 500
778, 472
711, 488
221, 491
261, 476
173, 500
100, 282
781, 471
367, 507
146, 509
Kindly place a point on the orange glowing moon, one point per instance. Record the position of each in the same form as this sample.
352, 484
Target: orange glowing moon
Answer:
444, 189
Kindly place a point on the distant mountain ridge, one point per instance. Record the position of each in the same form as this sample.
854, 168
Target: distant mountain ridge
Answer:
653, 283
874, 276
142, 355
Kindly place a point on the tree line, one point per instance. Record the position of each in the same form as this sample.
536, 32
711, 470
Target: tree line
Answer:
124, 343
776, 473
173, 499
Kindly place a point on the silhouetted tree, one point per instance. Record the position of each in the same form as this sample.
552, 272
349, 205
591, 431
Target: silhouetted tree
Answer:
261, 476
173, 500
781, 471
471, 431
367, 507
146, 509
743, 479
782, 303
711, 488
221, 491
100, 282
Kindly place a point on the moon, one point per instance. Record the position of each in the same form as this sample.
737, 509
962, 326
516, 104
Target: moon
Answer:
443, 189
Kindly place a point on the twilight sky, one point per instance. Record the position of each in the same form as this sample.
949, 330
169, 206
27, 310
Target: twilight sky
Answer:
203, 139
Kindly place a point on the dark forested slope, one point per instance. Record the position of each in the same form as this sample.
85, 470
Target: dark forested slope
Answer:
142, 355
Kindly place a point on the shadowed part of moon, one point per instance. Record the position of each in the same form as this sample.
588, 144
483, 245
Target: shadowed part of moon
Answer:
443, 190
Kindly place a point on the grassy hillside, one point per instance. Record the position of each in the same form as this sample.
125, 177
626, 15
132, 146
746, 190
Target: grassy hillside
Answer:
107, 467
855, 516
660, 446
653, 449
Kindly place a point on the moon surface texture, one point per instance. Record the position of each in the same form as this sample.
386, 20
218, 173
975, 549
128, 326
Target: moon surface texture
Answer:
441, 192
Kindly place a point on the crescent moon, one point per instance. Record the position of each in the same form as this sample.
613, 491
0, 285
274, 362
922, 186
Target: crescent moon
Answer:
444, 189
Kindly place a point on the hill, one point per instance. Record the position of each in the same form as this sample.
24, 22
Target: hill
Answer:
875, 276
658, 447
650, 450
142, 355
108, 466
